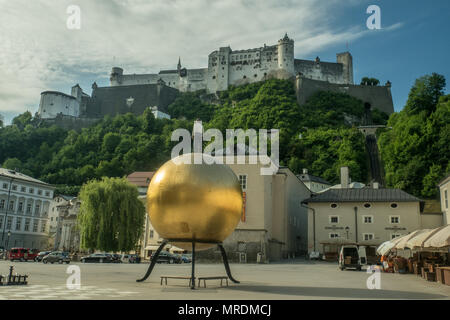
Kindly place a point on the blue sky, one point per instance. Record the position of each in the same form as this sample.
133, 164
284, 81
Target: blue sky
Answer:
39, 54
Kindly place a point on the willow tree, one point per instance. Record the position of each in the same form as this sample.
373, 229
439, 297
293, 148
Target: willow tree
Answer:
111, 215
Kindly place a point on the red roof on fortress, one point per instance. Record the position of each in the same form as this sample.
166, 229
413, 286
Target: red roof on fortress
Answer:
140, 179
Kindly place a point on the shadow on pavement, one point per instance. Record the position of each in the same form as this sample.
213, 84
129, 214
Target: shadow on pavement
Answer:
336, 292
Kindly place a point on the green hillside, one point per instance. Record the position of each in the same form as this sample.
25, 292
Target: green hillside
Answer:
320, 135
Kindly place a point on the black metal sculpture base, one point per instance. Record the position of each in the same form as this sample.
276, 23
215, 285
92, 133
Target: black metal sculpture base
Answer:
165, 242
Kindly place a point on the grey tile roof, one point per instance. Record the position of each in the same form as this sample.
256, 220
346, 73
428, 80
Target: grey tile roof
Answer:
362, 195
20, 176
305, 177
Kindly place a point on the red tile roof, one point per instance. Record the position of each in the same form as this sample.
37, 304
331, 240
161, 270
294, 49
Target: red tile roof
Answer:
140, 179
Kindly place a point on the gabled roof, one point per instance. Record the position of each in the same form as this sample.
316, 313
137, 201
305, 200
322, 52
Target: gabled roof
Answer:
141, 179
20, 176
443, 181
305, 177
363, 195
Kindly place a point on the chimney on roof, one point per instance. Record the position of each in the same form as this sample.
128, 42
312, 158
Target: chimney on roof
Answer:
344, 177
305, 171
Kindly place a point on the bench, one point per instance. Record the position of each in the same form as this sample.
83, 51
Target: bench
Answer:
221, 278
174, 277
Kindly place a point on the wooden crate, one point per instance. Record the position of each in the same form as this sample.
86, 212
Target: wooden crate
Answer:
446, 275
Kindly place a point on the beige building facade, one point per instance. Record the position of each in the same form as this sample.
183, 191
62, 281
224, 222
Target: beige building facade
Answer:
444, 192
365, 216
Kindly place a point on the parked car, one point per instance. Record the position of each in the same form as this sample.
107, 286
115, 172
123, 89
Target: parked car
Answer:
167, 257
97, 257
116, 258
57, 256
352, 256
22, 254
186, 258
41, 255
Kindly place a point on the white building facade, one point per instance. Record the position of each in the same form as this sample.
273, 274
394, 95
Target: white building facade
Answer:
24, 209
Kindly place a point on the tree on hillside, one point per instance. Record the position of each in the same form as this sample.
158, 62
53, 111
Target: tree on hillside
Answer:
111, 215
416, 152
425, 94
23, 120
366, 81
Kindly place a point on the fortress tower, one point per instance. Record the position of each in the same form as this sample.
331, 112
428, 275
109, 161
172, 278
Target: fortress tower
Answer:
116, 76
347, 61
286, 55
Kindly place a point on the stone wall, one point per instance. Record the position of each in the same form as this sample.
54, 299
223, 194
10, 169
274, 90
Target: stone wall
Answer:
379, 97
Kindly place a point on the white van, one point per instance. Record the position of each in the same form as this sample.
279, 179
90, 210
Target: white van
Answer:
352, 256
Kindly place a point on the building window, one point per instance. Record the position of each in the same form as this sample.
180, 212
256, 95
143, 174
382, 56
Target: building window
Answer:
368, 236
5, 186
334, 235
23, 189
14, 187
29, 208
1, 222
394, 205
334, 219
27, 225
2, 204
37, 209
334, 205
20, 209
446, 198
43, 226
31, 190
18, 224
395, 219
35, 225
9, 223
40, 192
152, 233
243, 181
367, 205
367, 219
395, 235
47, 194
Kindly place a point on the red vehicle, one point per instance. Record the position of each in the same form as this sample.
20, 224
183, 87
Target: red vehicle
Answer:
22, 254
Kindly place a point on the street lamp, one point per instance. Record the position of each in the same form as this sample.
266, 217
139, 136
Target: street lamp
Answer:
346, 230
7, 245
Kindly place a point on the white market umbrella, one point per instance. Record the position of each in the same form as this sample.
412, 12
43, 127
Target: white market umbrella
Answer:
440, 239
388, 245
402, 244
418, 241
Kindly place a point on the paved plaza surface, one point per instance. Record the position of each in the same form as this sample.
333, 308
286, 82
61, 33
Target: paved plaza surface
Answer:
296, 279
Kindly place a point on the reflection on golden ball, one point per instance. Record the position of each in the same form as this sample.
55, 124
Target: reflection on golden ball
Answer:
201, 202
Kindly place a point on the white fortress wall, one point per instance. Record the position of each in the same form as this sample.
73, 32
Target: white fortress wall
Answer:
52, 103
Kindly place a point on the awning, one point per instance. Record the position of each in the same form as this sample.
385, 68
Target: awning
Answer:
440, 239
385, 247
402, 244
173, 249
418, 241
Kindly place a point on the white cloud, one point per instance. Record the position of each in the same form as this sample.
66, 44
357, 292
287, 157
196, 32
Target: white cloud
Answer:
38, 52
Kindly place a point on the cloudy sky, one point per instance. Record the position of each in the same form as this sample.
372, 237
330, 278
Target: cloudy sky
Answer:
38, 52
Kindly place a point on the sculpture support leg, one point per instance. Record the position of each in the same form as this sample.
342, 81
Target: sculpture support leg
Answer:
225, 262
153, 261
193, 266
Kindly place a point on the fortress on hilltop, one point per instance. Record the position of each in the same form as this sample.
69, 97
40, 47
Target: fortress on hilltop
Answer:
136, 92
227, 67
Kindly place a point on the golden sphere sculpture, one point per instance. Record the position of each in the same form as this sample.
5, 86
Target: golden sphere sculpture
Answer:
194, 202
